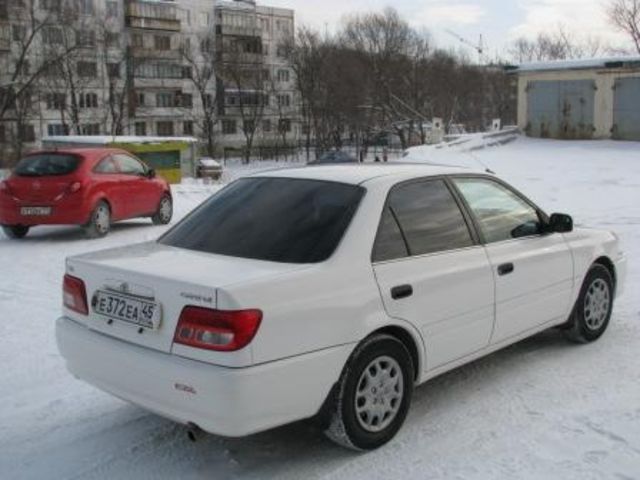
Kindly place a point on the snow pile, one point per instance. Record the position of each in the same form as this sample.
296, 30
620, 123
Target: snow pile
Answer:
540, 409
449, 152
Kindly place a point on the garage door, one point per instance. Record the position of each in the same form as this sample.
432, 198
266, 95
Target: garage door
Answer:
561, 109
626, 109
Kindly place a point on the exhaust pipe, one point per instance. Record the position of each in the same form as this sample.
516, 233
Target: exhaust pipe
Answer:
194, 432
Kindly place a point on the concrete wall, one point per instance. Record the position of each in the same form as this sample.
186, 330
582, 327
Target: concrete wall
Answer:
605, 81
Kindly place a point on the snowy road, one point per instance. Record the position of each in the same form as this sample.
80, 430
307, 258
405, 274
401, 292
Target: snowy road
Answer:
540, 409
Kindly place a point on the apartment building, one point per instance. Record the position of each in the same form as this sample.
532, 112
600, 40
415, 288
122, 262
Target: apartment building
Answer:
140, 67
256, 93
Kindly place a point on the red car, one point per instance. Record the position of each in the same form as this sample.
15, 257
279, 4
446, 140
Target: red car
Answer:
91, 187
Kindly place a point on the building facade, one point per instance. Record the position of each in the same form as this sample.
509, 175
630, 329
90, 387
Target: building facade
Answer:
580, 99
256, 85
135, 67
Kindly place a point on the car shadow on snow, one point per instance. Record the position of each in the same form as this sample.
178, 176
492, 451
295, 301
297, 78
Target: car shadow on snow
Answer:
281, 452
73, 234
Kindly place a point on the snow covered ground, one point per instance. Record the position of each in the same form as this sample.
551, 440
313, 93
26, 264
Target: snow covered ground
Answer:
540, 409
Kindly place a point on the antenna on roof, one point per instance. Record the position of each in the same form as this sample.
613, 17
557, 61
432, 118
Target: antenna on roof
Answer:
484, 165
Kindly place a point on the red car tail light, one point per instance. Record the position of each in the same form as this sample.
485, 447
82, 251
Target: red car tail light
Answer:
223, 331
74, 295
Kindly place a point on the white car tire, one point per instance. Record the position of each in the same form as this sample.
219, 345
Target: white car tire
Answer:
373, 395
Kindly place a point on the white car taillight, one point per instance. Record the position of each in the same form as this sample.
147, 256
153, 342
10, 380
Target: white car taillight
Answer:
74, 295
223, 331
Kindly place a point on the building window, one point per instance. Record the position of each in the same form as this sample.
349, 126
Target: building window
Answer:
86, 38
88, 100
113, 70
229, 127
85, 7
51, 5
90, 129
164, 129
56, 101
284, 126
141, 129
162, 42
140, 100
112, 39
87, 69
249, 125
27, 133
186, 100
57, 129
138, 40
284, 100
187, 127
112, 9
165, 100
19, 33
52, 35
187, 72
283, 75
266, 126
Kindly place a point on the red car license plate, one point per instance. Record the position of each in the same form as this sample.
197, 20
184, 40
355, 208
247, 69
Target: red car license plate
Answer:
35, 211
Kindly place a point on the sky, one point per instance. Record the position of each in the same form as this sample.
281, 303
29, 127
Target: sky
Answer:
498, 21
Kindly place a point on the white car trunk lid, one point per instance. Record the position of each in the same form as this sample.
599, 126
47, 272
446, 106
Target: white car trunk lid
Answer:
170, 277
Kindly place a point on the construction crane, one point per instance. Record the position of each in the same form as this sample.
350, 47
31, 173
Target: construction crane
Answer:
480, 47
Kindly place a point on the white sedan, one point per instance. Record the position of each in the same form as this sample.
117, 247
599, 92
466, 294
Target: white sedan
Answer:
330, 292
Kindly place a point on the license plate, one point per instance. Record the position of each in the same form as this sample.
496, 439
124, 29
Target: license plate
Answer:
35, 211
127, 309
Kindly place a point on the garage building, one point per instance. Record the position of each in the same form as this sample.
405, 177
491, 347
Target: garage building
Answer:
580, 99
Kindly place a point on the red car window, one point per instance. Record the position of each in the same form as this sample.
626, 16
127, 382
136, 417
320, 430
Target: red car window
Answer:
106, 165
129, 165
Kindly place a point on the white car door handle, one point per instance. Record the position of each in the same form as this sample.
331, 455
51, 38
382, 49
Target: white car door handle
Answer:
506, 269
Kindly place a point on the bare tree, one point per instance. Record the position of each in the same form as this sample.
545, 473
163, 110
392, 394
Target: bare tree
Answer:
201, 61
625, 16
243, 78
26, 63
557, 45
75, 72
114, 60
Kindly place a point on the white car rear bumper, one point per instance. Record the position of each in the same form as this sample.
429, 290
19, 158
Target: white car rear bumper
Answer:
219, 400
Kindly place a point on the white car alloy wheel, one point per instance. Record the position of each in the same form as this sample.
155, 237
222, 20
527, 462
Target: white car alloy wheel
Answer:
379, 394
597, 302
592, 312
373, 395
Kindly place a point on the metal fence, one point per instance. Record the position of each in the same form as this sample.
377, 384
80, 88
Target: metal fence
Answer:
302, 153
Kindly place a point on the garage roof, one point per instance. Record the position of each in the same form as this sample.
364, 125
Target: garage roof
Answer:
585, 64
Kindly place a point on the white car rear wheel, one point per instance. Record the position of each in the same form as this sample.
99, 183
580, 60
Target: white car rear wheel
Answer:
373, 395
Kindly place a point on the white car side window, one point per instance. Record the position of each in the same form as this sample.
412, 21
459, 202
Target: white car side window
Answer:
501, 214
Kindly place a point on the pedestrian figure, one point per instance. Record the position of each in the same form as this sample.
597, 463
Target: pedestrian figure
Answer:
385, 155
377, 159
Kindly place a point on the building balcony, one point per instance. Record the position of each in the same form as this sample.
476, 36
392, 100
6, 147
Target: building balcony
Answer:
241, 31
152, 16
149, 53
